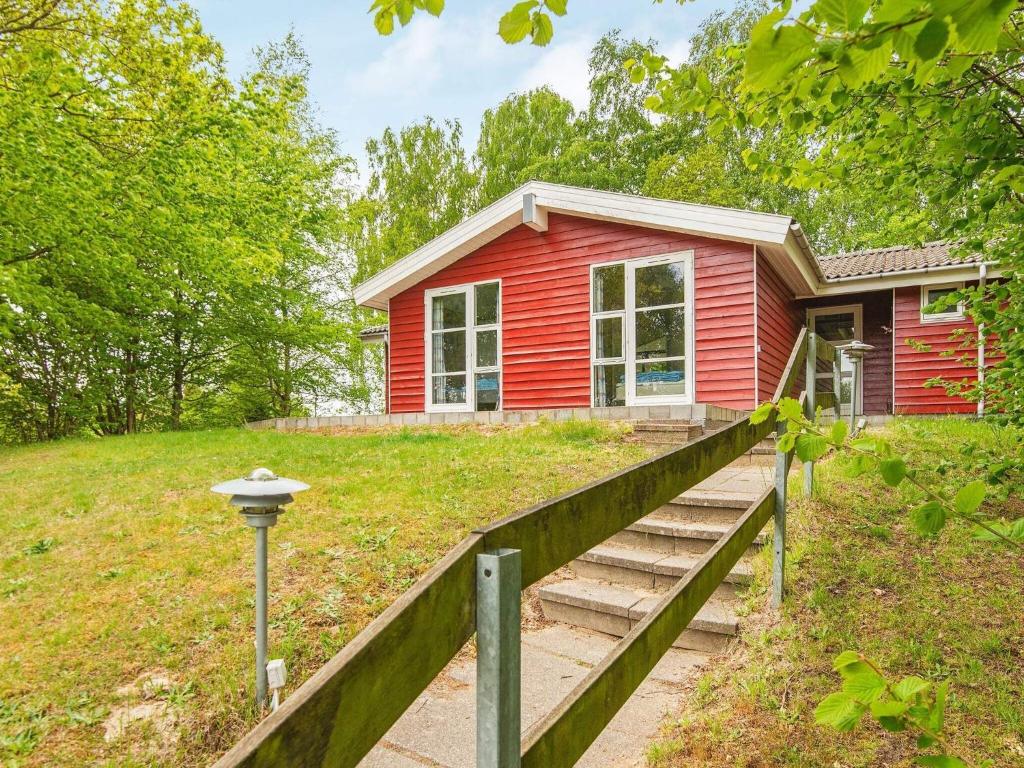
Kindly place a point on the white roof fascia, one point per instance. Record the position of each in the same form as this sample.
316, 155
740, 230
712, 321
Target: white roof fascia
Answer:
909, 277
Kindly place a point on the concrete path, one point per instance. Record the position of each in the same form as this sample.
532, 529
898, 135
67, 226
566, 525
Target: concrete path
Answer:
439, 728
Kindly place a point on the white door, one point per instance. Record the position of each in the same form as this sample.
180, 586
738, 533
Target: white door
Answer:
463, 348
659, 330
839, 325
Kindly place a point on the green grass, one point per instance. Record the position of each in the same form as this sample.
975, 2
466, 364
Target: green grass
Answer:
117, 562
860, 577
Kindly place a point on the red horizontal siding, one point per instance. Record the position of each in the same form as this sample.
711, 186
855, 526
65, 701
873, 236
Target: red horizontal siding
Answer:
778, 324
545, 312
914, 367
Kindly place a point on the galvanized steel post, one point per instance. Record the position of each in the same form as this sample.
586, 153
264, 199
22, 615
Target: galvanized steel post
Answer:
498, 709
810, 386
261, 614
779, 540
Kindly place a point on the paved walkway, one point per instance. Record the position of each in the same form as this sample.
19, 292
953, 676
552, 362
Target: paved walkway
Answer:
438, 730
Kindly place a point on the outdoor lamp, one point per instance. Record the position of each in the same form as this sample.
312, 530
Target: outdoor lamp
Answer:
261, 496
855, 351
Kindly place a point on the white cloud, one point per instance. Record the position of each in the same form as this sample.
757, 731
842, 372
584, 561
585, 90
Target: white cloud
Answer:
676, 52
563, 68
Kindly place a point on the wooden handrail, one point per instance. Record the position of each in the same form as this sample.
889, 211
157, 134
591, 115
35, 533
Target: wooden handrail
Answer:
338, 715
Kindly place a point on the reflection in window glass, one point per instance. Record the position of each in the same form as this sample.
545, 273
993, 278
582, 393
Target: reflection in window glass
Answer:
661, 284
448, 311
449, 352
487, 391
667, 377
487, 304
933, 295
610, 288
608, 343
486, 349
609, 385
449, 390
661, 333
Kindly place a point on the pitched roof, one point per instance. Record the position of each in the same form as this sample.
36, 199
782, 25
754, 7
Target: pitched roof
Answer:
373, 330
897, 258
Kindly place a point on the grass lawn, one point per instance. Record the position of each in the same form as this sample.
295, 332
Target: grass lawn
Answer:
118, 566
861, 578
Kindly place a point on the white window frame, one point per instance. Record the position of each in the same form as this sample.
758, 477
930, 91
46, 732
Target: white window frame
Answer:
858, 334
471, 330
628, 319
951, 315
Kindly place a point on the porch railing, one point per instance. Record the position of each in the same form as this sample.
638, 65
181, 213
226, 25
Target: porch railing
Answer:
337, 716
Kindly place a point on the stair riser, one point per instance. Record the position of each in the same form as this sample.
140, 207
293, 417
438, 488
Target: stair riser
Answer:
670, 545
632, 577
754, 460
619, 626
696, 513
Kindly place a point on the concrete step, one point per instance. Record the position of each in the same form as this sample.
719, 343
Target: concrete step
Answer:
615, 610
671, 536
668, 426
653, 571
696, 507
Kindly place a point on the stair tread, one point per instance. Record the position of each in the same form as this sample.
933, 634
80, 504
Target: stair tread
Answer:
667, 526
657, 562
713, 616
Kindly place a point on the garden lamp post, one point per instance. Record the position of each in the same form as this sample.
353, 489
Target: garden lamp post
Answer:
261, 496
855, 350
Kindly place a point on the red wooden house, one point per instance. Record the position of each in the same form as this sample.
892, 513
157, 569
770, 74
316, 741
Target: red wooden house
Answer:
557, 297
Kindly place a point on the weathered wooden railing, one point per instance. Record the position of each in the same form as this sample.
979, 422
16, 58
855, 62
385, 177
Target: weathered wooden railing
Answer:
338, 715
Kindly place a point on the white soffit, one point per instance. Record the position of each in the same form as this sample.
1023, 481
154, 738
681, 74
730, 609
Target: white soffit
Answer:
777, 236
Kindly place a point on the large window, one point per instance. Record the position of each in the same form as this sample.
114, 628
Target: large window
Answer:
641, 331
464, 348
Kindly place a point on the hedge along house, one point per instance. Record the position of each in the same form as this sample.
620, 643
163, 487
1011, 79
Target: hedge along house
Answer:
557, 297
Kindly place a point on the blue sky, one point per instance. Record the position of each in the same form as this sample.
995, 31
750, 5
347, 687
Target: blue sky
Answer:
452, 67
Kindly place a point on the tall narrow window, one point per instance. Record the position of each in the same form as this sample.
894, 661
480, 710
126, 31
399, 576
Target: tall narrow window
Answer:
464, 348
608, 307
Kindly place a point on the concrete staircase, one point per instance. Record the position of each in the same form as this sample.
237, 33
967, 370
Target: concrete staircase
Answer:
665, 433
615, 584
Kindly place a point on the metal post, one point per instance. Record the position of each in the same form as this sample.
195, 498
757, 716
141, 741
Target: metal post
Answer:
854, 394
261, 616
779, 541
837, 384
498, 709
811, 386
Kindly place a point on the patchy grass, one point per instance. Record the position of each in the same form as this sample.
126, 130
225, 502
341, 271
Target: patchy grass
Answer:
126, 586
860, 577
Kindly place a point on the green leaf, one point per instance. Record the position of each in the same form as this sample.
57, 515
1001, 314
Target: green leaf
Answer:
842, 14
840, 429
845, 659
860, 464
929, 518
434, 7
515, 25
404, 9
761, 413
543, 30
909, 687
865, 686
557, 7
384, 22
637, 74
940, 761
979, 23
893, 471
969, 498
811, 447
785, 442
839, 710
773, 53
790, 409
887, 708
936, 719
932, 39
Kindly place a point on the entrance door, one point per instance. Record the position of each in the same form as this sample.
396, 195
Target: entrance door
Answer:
463, 348
659, 330
839, 325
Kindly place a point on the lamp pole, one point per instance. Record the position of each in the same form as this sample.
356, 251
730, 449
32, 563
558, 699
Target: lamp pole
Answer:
261, 497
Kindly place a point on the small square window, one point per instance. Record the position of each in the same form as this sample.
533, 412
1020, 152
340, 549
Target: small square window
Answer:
946, 311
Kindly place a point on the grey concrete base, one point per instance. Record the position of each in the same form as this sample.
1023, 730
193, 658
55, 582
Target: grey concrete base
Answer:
698, 413
439, 728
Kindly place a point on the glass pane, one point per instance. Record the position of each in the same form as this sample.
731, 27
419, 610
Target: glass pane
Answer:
609, 385
659, 379
839, 329
610, 288
487, 304
487, 391
609, 338
661, 333
449, 351
449, 390
661, 284
448, 311
486, 349
933, 295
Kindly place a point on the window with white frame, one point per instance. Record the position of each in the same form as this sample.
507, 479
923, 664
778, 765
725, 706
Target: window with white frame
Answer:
464, 347
608, 319
945, 310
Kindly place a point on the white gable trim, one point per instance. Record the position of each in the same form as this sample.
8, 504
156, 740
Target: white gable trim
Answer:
531, 203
